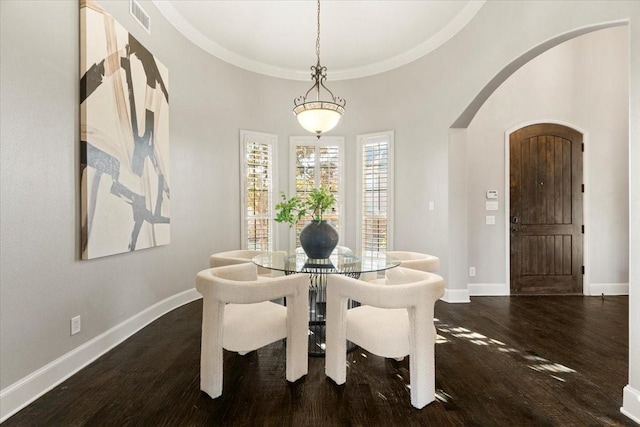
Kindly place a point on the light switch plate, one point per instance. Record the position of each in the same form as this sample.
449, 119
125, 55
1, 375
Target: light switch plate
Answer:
491, 206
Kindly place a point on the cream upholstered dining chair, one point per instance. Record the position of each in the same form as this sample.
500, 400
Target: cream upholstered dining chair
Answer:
241, 256
416, 260
394, 320
238, 315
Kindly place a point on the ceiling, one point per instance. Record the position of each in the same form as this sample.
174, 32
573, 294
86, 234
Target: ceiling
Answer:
358, 38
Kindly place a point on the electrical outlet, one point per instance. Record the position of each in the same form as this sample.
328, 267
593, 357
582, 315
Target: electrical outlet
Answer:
472, 271
75, 325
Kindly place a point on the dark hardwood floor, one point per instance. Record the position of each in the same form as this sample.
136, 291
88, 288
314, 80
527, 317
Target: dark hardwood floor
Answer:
519, 361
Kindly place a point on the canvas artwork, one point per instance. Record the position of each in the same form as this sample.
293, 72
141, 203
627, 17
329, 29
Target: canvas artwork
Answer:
124, 106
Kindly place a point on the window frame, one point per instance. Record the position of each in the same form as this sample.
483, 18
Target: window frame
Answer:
361, 141
325, 140
272, 141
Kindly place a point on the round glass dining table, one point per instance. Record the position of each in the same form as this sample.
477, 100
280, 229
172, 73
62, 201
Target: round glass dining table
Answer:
341, 261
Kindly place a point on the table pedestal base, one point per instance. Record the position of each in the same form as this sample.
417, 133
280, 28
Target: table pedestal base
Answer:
317, 313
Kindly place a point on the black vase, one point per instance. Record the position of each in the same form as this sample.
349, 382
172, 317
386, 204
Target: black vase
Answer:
318, 240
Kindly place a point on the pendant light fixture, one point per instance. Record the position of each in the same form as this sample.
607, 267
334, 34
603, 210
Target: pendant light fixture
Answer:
318, 116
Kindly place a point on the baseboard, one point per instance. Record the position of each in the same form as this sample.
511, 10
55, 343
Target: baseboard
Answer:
631, 403
21, 393
487, 289
456, 296
500, 289
609, 289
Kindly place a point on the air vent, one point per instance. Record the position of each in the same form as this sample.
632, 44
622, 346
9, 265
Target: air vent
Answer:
141, 16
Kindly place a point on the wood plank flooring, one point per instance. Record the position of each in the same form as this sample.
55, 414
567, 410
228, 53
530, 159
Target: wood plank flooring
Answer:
500, 361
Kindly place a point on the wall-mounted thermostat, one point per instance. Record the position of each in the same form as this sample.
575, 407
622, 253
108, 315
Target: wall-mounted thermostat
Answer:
492, 194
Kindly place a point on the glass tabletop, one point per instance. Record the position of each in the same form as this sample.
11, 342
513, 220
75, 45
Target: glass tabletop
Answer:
340, 262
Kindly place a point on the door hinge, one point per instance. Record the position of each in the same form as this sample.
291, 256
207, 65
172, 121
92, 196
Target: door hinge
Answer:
582, 229
583, 269
583, 147
583, 188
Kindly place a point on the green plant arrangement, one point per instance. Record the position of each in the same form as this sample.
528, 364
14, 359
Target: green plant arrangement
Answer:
317, 202
318, 238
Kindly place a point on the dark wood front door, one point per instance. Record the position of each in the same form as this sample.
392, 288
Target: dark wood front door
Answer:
546, 210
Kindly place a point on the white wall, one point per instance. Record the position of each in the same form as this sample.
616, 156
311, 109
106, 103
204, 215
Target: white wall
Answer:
42, 281
584, 83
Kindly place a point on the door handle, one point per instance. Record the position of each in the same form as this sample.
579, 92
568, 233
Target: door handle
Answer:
514, 221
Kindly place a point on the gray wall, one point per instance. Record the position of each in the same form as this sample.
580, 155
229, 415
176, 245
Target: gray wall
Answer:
43, 283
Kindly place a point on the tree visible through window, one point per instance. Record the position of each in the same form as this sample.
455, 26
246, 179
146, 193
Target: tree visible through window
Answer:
257, 151
375, 191
318, 162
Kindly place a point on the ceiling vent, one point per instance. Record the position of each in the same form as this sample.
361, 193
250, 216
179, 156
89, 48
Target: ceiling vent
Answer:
141, 16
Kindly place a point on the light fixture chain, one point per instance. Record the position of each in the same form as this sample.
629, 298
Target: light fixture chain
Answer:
318, 36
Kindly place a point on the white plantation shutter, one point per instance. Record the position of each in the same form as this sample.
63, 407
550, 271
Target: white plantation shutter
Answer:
257, 165
375, 192
317, 162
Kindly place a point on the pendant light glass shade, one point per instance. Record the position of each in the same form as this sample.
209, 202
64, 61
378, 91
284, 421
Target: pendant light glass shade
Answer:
318, 116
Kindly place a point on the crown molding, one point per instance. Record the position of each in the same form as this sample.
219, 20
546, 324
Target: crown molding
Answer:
213, 48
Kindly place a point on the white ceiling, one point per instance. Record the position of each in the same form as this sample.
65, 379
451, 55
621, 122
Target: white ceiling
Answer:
358, 38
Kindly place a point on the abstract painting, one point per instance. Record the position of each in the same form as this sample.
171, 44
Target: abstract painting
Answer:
124, 108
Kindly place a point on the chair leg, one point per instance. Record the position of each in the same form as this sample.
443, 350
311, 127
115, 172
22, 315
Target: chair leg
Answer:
336, 348
297, 346
211, 356
421, 359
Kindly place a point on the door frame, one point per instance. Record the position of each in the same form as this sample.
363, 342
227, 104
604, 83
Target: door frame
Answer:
586, 278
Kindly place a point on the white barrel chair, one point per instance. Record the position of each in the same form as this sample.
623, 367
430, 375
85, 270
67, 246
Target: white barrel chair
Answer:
394, 320
238, 315
241, 256
416, 260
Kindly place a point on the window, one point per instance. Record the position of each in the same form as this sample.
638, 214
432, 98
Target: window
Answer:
257, 164
375, 192
317, 162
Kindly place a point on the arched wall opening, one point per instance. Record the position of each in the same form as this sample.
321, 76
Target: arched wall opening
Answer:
470, 112
460, 204
587, 90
